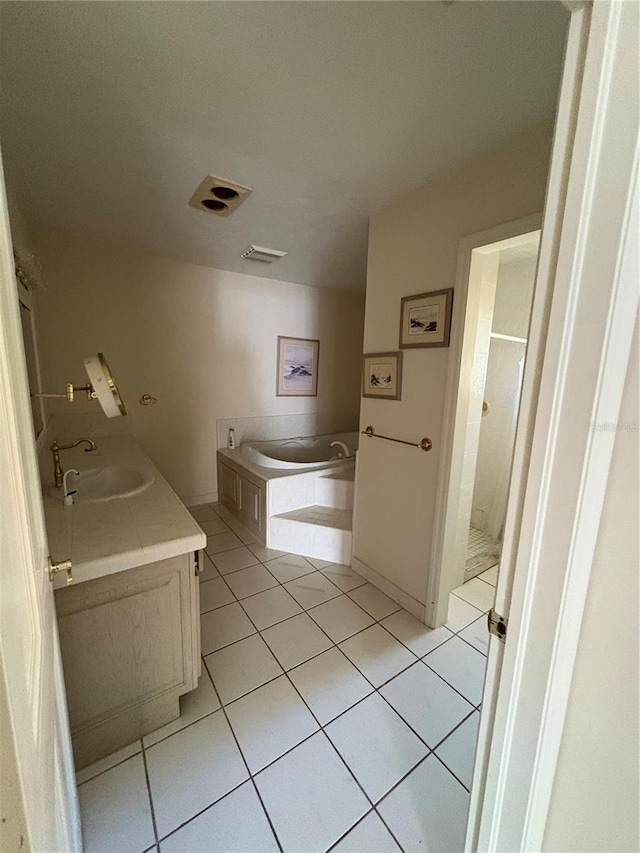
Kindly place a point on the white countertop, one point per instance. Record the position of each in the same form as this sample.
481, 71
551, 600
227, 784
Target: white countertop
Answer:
122, 533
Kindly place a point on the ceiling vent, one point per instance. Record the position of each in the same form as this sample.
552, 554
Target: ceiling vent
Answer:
219, 196
259, 253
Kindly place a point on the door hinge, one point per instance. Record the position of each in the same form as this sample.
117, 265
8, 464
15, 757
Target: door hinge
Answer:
196, 562
497, 625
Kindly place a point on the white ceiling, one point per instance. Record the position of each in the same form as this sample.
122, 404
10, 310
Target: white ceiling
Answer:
112, 113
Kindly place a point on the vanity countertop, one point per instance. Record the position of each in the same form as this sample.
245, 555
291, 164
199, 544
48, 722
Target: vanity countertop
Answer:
121, 533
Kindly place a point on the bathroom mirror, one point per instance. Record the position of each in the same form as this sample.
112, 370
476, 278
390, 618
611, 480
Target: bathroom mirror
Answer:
104, 385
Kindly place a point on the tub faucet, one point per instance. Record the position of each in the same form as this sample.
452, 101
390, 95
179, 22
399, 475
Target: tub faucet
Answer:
55, 449
347, 452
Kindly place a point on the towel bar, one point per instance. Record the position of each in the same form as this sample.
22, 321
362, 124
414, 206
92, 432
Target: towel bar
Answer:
423, 444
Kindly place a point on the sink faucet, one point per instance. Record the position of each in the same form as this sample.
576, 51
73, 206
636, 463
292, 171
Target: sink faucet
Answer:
55, 448
347, 452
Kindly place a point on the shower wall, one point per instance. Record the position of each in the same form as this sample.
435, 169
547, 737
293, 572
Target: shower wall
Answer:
512, 307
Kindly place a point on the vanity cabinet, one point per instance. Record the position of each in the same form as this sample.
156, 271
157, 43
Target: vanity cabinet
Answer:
244, 494
130, 646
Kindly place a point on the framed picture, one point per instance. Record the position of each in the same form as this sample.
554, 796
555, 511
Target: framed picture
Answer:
425, 319
382, 375
297, 367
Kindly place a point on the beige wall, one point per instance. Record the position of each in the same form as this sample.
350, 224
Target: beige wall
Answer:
413, 247
201, 340
594, 805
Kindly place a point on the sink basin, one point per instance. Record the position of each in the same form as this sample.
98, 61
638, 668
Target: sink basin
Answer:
105, 484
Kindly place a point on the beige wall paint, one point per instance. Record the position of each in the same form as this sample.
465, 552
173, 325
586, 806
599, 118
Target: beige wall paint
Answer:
201, 340
413, 246
594, 805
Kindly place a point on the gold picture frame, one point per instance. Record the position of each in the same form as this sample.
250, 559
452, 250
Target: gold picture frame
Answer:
425, 319
297, 373
382, 375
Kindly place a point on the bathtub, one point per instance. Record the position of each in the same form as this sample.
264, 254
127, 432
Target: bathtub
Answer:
297, 454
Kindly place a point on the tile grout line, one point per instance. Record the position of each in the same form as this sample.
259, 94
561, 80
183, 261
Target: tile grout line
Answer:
258, 632
375, 689
151, 806
246, 764
334, 644
376, 622
320, 729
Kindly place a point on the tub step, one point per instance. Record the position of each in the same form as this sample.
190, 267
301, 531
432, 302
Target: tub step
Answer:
336, 490
319, 531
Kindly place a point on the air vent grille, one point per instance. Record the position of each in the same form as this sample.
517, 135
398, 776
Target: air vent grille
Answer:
259, 253
219, 196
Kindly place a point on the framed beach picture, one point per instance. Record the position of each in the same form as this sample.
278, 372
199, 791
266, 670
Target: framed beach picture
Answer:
382, 375
425, 319
297, 367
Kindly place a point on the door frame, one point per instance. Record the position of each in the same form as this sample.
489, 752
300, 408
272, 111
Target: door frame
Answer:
455, 419
587, 267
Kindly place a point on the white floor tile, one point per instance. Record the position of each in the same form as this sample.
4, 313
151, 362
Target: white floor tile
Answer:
340, 618
343, 577
213, 525
296, 640
478, 593
369, 835
460, 614
376, 603
244, 534
193, 706
214, 593
242, 667
235, 824
377, 654
490, 576
477, 634
222, 542
234, 559
115, 809
319, 564
329, 684
461, 666
109, 761
264, 554
311, 810
268, 608
428, 810
208, 571
459, 750
377, 745
412, 633
289, 567
250, 581
311, 590
202, 512
270, 721
431, 707
192, 769
223, 626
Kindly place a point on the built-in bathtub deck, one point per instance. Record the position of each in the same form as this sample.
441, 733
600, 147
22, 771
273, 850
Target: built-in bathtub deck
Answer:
308, 512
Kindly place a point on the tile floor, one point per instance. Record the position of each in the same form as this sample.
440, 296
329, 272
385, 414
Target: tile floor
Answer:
326, 718
482, 553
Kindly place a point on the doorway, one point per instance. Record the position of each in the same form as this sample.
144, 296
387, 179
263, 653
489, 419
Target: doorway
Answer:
496, 279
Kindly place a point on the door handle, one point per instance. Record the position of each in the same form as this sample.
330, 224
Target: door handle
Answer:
63, 566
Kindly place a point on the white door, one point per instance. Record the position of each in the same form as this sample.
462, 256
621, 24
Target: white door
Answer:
585, 307
46, 806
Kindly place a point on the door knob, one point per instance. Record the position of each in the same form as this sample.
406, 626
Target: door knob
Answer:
63, 566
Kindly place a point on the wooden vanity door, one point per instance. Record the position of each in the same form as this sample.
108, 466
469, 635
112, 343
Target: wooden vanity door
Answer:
130, 647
